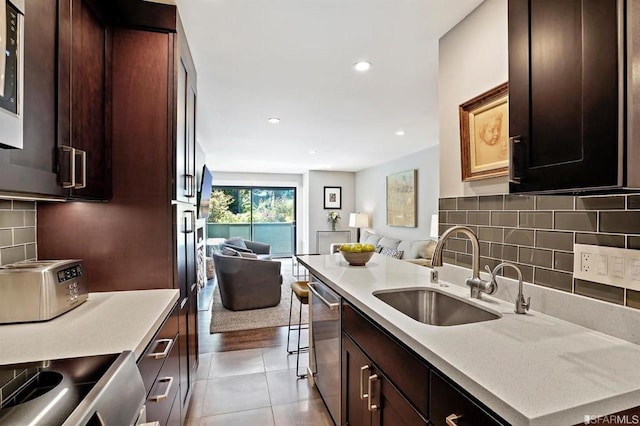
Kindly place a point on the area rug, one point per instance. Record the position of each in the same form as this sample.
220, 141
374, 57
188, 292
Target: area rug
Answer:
225, 320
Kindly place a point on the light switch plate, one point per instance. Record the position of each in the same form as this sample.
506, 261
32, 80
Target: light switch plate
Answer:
607, 265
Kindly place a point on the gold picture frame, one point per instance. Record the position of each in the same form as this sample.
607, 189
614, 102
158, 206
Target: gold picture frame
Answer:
484, 134
401, 199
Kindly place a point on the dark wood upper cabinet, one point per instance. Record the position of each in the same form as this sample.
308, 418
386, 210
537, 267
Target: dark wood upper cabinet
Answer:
84, 119
566, 95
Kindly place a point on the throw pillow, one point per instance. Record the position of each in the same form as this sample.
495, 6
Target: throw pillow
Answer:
227, 251
386, 251
389, 242
236, 241
248, 255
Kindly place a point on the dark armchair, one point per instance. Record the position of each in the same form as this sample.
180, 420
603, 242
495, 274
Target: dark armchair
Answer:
247, 283
262, 250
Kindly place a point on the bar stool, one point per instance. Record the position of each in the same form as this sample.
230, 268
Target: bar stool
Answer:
299, 288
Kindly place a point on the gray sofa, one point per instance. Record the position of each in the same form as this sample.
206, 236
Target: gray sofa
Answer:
414, 251
247, 282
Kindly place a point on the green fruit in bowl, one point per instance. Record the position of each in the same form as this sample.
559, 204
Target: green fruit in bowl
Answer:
345, 247
368, 247
356, 248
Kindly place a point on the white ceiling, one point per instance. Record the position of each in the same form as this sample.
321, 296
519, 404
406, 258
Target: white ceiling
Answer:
293, 59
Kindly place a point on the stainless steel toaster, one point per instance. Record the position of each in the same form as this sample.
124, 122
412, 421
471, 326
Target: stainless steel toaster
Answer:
40, 290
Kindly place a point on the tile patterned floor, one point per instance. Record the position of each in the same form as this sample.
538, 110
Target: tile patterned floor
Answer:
254, 387
251, 387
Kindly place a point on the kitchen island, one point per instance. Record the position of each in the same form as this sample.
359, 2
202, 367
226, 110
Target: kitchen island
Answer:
109, 322
531, 369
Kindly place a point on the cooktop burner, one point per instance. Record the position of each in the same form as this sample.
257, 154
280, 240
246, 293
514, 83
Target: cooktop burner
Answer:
53, 392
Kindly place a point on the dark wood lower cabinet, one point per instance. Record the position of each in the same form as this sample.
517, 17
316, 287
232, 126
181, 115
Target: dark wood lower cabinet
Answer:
384, 382
369, 398
159, 366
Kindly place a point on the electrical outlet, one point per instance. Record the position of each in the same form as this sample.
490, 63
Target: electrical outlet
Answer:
586, 263
607, 265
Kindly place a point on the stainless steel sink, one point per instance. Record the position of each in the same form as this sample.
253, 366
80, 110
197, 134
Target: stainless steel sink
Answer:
433, 307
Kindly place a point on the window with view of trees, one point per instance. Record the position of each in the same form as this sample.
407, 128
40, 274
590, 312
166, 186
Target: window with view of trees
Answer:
254, 213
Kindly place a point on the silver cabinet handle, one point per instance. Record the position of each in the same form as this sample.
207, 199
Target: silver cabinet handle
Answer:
163, 354
83, 157
164, 395
72, 166
150, 424
370, 406
332, 306
512, 153
451, 419
189, 219
189, 184
362, 370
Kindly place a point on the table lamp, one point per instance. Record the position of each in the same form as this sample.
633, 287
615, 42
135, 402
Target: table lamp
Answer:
358, 220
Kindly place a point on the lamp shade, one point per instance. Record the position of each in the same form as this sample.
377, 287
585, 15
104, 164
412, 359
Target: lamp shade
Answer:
358, 220
434, 226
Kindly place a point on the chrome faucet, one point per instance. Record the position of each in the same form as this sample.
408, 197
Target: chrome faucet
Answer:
477, 285
522, 306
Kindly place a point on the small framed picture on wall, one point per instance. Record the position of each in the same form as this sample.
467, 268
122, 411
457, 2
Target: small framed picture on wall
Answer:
332, 197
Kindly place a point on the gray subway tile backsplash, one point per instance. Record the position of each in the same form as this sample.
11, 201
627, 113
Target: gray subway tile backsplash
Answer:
17, 231
521, 237
519, 202
478, 218
468, 203
536, 257
600, 203
626, 222
492, 202
606, 240
504, 219
554, 240
576, 221
554, 279
554, 202
538, 233
563, 261
607, 293
538, 220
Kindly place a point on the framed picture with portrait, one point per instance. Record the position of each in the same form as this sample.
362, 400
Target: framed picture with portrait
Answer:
484, 135
332, 197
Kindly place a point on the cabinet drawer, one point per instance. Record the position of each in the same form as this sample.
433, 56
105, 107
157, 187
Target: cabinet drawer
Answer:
405, 370
165, 388
446, 401
158, 350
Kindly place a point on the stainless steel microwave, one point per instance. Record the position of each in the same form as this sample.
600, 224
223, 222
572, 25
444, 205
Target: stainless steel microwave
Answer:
11, 72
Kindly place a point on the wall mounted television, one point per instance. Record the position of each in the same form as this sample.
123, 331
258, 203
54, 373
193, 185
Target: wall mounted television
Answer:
204, 195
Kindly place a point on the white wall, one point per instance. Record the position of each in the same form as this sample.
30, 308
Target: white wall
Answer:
371, 193
317, 214
473, 59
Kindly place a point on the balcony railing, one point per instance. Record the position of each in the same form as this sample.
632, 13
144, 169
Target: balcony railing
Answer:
279, 235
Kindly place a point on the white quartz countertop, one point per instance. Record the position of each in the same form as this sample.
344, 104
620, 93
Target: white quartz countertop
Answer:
530, 369
109, 322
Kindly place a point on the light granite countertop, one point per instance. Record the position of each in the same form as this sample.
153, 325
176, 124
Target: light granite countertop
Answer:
109, 322
531, 369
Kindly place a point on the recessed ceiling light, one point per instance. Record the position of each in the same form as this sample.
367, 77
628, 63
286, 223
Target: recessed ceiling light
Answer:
274, 120
362, 66
401, 133
313, 152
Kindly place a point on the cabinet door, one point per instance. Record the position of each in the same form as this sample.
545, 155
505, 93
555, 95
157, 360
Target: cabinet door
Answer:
185, 188
564, 100
356, 368
369, 398
449, 406
32, 169
84, 160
